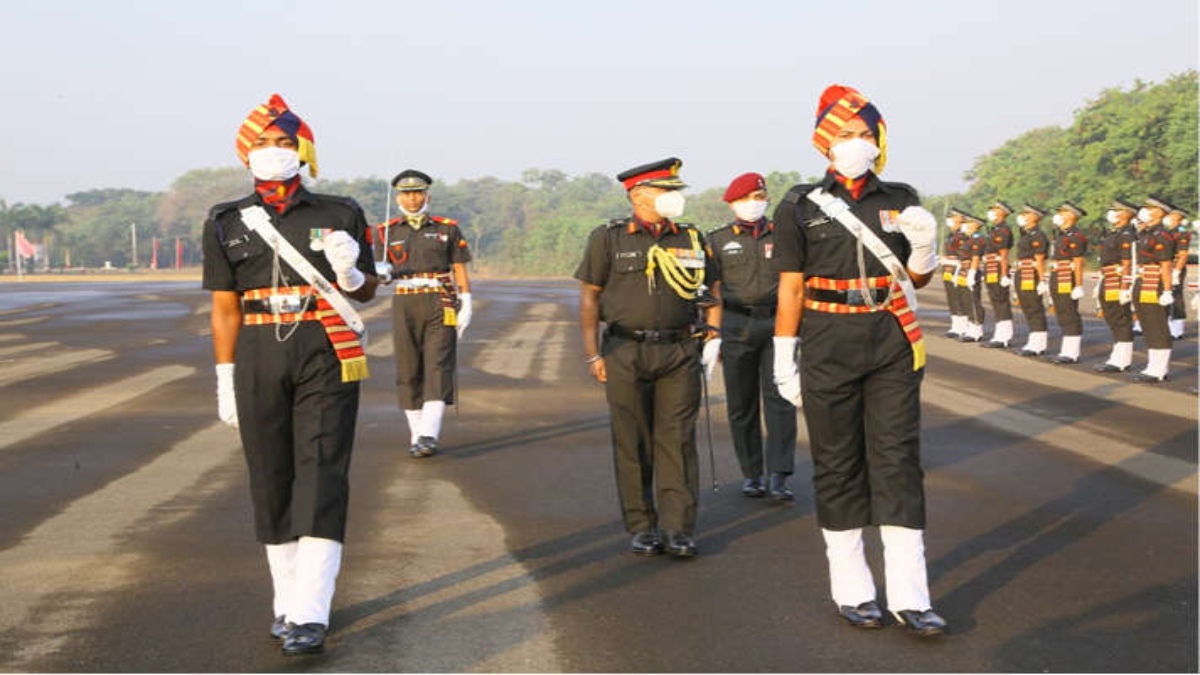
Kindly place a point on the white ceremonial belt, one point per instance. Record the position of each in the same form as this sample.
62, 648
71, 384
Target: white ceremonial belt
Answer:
418, 282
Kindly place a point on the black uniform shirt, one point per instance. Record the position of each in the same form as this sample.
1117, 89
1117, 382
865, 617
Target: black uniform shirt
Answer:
1116, 246
236, 259
1182, 236
742, 263
1032, 243
808, 241
976, 245
615, 260
1154, 245
956, 244
437, 245
1070, 244
1000, 239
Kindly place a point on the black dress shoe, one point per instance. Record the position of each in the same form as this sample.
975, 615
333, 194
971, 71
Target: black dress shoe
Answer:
923, 624
1110, 368
778, 488
994, 345
308, 638
646, 543
1030, 352
681, 545
866, 615
280, 628
1149, 379
969, 338
426, 446
1064, 359
754, 488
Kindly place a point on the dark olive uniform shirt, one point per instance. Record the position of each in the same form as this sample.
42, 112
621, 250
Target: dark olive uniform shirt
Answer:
435, 247
741, 254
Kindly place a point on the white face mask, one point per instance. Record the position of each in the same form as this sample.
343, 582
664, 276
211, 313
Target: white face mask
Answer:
1058, 220
854, 157
1144, 215
1111, 216
670, 204
1023, 220
406, 212
274, 163
950, 223
749, 210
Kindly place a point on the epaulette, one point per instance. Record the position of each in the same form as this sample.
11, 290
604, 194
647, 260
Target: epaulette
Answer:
797, 191
904, 187
442, 220
221, 209
389, 223
618, 222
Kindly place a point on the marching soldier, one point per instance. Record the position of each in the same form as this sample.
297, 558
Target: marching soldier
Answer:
1115, 294
427, 258
951, 264
1032, 247
1152, 294
741, 256
970, 290
996, 274
641, 276
851, 250
1176, 225
289, 359
1067, 280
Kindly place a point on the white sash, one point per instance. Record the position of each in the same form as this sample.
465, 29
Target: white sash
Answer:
837, 209
258, 220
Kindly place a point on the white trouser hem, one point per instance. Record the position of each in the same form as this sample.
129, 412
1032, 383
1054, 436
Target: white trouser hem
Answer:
850, 580
904, 568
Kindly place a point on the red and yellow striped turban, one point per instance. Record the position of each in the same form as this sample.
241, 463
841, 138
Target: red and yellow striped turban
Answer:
840, 104
275, 112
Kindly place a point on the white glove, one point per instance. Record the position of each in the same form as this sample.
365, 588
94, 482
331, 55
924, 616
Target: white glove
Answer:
226, 399
1176, 277
709, 356
971, 280
464, 313
1042, 288
1166, 298
342, 253
786, 372
920, 228
1077, 292
1125, 296
1005, 281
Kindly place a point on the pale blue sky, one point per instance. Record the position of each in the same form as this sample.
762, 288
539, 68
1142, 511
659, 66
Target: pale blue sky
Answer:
119, 93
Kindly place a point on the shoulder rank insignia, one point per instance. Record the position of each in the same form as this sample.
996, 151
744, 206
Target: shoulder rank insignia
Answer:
442, 220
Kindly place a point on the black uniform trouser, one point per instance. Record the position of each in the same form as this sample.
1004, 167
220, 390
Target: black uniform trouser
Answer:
747, 360
951, 296
1119, 319
1001, 301
863, 411
972, 300
653, 393
1067, 310
1154, 321
1179, 307
1033, 309
425, 350
296, 418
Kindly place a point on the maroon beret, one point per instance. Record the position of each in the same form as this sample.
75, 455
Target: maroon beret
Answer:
744, 185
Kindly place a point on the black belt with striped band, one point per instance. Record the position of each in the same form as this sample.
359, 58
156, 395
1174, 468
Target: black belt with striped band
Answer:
848, 297
669, 335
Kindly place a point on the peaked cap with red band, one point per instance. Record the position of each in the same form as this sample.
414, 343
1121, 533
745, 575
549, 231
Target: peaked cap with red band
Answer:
275, 112
744, 185
839, 104
663, 173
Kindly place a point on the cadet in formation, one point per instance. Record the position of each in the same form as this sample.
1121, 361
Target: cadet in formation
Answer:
1032, 247
996, 276
1175, 223
1115, 292
851, 250
1152, 296
746, 286
289, 359
641, 276
951, 265
426, 257
970, 291
1066, 284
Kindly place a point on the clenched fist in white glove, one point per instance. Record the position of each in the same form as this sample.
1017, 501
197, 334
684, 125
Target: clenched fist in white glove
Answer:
972, 279
920, 228
1125, 296
1005, 281
1176, 276
464, 314
1042, 288
341, 250
786, 372
1166, 298
1077, 293
226, 399
709, 356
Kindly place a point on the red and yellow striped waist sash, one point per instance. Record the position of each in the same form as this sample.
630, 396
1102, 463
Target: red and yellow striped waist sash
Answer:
1111, 282
1027, 274
898, 306
1064, 276
1151, 278
991, 268
347, 344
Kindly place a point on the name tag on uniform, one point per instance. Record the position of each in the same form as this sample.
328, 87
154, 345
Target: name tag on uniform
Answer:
688, 259
732, 248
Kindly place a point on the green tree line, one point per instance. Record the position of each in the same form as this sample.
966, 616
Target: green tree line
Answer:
1123, 143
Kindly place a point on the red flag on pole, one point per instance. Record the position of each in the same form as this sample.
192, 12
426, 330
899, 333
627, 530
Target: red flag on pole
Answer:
24, 248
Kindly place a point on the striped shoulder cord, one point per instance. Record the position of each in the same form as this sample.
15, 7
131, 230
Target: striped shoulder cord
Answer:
684, 282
